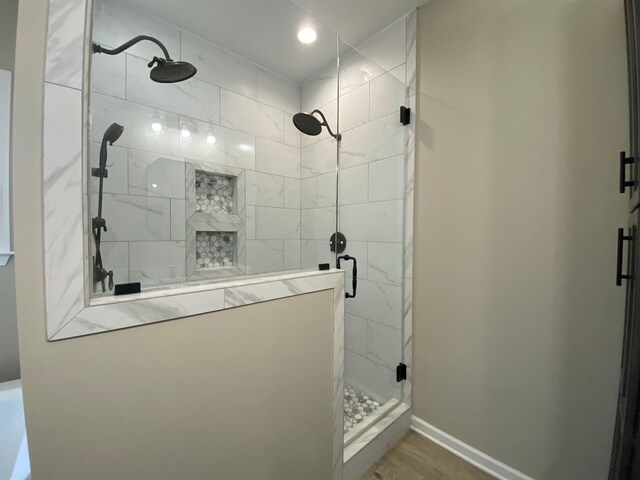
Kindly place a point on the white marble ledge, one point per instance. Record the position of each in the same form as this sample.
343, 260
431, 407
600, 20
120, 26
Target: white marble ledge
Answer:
4, 258
112, 313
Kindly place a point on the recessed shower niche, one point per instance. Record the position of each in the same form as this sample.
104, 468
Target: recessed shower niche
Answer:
215, 220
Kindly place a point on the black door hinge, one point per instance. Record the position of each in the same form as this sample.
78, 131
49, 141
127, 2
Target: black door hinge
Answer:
405, 115
401, 372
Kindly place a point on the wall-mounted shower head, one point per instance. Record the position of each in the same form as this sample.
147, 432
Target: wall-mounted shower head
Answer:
170, 71
166, 70
308, 124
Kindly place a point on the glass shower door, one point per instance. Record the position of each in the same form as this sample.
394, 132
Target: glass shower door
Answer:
371, 186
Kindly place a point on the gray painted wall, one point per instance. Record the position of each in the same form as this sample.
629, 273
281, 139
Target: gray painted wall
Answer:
9, 362
518, 323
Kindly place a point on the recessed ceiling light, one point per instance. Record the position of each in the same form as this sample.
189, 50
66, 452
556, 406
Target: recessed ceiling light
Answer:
307, 35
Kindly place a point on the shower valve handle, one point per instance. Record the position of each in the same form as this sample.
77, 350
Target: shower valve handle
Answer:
354, 274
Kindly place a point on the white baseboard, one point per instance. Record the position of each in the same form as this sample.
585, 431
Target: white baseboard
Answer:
469, 454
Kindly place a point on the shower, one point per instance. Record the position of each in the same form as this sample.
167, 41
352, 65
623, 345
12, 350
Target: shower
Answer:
166, 70
308, 124
98, 223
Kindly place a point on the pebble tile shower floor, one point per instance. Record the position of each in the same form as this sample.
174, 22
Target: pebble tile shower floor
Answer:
357, 407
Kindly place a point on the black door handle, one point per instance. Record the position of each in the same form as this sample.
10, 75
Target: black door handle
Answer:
623, 183
354, 274
621, 239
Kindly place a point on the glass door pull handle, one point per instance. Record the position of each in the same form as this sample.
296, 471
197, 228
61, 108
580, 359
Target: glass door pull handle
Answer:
354, 274
621, 239
623, 183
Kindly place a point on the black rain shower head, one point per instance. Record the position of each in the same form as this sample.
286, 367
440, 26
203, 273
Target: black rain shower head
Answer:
308, 124
166, 70
170, 71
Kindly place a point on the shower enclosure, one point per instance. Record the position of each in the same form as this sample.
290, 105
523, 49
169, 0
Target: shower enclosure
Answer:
211, 179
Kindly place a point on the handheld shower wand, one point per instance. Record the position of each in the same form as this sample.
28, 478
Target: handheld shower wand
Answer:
98, 223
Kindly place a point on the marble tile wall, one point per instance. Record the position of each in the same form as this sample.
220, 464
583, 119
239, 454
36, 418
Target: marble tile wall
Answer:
371, 193
238, 115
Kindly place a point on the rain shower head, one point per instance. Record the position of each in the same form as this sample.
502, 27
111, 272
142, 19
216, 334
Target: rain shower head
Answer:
309, 124
166, 70
170, 71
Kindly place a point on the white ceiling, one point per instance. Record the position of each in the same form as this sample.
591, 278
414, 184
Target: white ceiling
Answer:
264, 31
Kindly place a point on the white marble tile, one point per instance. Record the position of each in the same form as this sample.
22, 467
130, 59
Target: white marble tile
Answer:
277, 223
264, 189
108, 75
133, 218
115, 257
318, 223
308, 254
400, 72
291, 133
379, 302
387, 95
277, 91
102, 318
320, 90
354, 108
232, 148
381, 138
323, 251
197, 148
395, 426
386, 179
219, 66
155, 175
359, 463
356, 334
117, 167
264, 256
376, 222
178, 221
63, 218
354, 184
156, 263
277, 158
356, 70
269, 290
251, 222
385, 263
384, 344
114, 23
412, 27
193, 98
291, 254
65, 43
136, 120
359, 250
387, 47
308, 192
319, 158
240, 150
370, 377
326, 190
247, 115
292, 193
